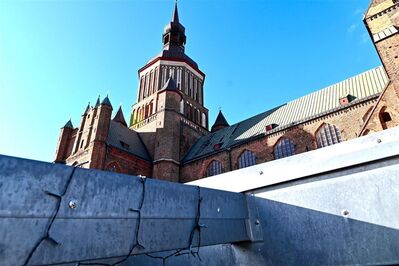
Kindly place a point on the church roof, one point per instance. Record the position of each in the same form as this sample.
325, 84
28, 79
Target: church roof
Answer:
173, 51
97, 103
175, 54
127, 139
220, 121
68, 124
106, 101
119, 117
364, 86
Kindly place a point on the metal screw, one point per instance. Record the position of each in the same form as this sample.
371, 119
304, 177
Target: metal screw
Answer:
261, 172
379, 141
345, 213
73, 204
218, 209
257, 222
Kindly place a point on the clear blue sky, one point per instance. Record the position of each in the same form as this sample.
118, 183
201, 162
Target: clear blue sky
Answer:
55, 56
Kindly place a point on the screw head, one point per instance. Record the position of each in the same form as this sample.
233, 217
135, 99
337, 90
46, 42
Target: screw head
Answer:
257, 222
261, 172
379, 140
345, 213
73, 204
218, 209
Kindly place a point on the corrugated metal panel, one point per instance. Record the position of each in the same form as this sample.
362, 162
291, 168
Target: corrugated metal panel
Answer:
361, 86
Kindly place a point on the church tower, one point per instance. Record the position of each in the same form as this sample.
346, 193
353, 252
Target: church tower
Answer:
382, 23
170, 114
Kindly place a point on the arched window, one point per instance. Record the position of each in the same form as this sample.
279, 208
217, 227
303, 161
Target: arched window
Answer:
151, 106
384, 117
203, 120
214, 168
146, 111
182, 106
284, 148
246, 159
328, 135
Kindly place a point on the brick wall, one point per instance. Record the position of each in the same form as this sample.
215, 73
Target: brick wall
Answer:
381, 16
127, 163
348, 120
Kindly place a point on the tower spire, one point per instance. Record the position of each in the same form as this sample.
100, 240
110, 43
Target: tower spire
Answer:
175, 17
174, 37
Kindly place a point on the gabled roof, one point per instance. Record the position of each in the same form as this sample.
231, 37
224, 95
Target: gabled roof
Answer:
363, 86
119, 117
127, 139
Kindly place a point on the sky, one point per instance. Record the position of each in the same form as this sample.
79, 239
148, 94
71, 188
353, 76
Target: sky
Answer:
56, 56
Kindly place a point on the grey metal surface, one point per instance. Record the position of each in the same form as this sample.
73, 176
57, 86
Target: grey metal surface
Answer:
342, 216
346, 217
364, 87
51, 214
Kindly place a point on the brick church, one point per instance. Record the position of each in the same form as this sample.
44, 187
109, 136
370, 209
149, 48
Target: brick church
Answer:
168, 135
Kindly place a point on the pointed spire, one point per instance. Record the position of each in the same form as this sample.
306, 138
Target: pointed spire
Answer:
174, 36
220, 122
106, 101
98, 102
87, 109
170, 85
119, 117
68, 124
175, 18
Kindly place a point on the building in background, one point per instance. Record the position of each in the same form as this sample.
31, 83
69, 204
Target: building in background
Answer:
168, 137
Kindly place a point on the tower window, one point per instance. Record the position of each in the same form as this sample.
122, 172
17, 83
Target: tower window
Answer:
166, 39
284, 148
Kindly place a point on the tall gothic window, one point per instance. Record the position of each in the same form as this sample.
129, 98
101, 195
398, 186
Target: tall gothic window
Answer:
328, 135
214, 168
203, 119
284, 148
246, 159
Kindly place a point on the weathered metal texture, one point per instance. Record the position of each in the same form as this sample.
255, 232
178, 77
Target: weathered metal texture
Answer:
346, 217
52, 213
343, 211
